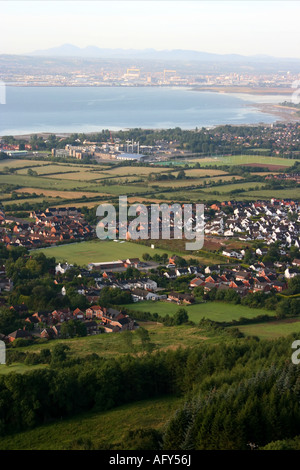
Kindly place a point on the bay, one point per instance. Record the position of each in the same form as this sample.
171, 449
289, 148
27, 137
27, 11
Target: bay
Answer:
91, 109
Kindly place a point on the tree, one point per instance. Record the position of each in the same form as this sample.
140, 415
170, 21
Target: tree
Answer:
59, 354
181, 316
127, 337
181, 175
294, 285
145, 339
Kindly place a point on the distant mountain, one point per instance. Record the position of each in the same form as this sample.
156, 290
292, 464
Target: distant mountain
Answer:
69, 50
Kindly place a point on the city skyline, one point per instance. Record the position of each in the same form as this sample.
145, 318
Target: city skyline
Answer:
215, 27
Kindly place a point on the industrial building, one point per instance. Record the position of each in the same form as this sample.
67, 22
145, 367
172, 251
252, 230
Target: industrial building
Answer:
132, 156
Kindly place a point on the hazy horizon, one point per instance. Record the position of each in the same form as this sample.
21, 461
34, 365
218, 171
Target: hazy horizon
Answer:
246, 28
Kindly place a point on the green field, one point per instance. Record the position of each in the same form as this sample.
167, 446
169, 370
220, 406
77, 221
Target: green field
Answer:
216, 311
272, 330
241, 160
133, 180
18, 368
105, 428
112, 345
98, 251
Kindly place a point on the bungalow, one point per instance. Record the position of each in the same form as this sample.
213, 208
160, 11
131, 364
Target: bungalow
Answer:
181, 271
141, 294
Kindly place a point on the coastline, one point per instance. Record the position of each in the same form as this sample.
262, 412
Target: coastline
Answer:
285, 113
246, 90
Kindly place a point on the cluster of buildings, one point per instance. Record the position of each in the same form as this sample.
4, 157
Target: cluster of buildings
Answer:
96, 320
279, 138
258, 278
113, 150
50, 227
274, 221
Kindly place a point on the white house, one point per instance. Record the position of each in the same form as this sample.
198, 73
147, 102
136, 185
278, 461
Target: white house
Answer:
63, 268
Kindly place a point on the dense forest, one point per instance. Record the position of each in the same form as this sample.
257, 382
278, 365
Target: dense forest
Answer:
235, 393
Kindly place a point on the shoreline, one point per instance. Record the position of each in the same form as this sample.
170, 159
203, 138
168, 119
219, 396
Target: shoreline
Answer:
216, 89
246, 90
285, 113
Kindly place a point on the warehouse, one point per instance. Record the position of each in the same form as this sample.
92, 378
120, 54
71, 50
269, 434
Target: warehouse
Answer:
131, 156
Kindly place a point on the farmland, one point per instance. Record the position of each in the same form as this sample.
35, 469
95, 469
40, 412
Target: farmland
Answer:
74, 181
242, 160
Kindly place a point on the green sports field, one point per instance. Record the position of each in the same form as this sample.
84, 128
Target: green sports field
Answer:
98, 251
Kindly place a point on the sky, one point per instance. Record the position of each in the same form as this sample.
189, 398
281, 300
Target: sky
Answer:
223, 27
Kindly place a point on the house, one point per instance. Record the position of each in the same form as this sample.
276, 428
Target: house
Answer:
94, 312
170, 274
147, 284
132, 262
142, 294
47, 333
291, 272
111, 328
23, 334
78, 314
124, 324
181, 298
181, 271
111, 314
212, 269
196, 282
91, 327
62, 268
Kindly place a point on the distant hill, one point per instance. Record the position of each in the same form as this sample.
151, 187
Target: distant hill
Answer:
69, 50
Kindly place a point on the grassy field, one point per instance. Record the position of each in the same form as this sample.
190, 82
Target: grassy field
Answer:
54, 193
112, 345
98, 251
230, 187
272, 330
107, 427
18, 368
72, 181
217, 311
241, 160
